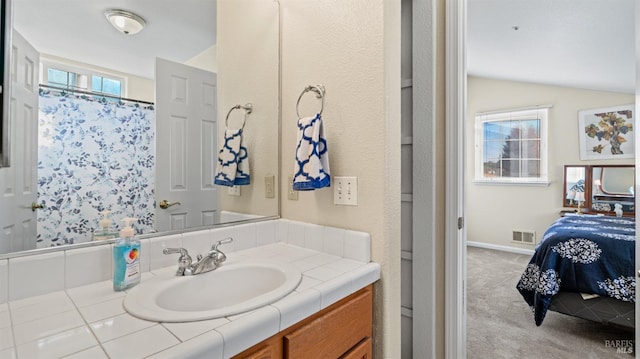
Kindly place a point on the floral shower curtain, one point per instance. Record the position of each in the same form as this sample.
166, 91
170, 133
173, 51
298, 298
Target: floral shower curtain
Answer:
94, 154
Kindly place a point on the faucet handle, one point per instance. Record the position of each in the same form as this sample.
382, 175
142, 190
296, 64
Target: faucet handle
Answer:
183, 252
223, 241
184, 262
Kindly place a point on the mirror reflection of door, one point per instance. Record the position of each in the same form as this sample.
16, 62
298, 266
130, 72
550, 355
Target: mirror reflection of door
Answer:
186, 147
18, 182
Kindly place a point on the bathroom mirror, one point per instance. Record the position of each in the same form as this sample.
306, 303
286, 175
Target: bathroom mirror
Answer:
252, 203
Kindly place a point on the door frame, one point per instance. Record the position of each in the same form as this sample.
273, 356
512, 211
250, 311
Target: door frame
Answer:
455, 235
455, 249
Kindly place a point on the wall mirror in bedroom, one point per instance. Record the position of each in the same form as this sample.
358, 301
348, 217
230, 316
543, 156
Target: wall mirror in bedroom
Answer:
574, 185
598, 188
83, 153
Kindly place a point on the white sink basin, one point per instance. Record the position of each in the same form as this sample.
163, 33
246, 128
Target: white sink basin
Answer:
231, 289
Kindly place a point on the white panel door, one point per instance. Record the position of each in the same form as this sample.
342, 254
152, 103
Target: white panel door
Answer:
18, 183
185, 146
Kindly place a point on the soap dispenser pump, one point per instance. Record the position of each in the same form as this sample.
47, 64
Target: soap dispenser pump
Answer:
104, 231
126, 258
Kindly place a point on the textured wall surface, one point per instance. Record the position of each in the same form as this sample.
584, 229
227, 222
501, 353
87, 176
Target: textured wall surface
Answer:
353, 49
248, 52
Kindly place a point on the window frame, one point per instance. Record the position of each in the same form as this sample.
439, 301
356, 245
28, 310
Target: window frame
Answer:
47, 64
540, 113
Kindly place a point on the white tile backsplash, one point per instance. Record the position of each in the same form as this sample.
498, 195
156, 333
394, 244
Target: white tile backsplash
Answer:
244, 237
88, 265
197, 242
295, 233
333, 241
357, 246
145, 255
157, 244
313, 237
282, 229
266, 233
44, 273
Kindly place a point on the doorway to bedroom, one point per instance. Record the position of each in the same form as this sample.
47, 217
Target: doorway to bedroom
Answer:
526, 56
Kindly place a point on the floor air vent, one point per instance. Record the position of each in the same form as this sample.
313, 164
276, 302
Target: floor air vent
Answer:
524, 237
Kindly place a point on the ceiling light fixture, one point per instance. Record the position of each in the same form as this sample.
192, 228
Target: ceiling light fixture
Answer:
124, 21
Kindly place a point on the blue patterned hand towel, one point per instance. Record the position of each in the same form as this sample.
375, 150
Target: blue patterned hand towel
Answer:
312, 156
233, 161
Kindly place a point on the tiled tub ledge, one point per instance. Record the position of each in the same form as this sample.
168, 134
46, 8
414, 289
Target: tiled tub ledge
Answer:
89, 321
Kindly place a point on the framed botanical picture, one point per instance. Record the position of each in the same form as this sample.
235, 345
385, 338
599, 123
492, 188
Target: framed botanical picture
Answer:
607, 133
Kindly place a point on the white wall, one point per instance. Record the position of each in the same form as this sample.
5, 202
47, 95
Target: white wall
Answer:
353, 49
493, 211
206, 60
247, 60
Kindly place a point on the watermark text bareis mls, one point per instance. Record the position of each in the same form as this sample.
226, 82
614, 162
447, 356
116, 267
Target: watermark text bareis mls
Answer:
622, 346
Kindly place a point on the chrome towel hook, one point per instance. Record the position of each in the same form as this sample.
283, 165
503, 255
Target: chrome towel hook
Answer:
248, 107
318, 89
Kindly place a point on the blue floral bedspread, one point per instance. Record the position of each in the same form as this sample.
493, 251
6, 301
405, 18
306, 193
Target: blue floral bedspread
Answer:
586, 254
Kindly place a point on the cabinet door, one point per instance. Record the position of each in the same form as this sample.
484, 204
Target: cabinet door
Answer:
335, 333
364, 350
262, 353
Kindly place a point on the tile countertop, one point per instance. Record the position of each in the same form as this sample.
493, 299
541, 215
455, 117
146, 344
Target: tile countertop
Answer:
90, 321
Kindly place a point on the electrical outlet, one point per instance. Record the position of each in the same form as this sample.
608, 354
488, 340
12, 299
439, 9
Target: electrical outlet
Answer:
291, 194
345, 191
270, 186
234, 191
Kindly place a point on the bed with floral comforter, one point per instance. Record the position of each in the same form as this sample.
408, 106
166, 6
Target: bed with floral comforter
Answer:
581, 253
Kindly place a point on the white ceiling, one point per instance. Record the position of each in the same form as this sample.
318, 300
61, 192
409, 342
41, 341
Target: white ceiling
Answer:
176, 30
577, 43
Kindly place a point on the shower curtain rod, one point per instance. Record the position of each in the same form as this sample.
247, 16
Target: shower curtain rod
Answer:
95, 94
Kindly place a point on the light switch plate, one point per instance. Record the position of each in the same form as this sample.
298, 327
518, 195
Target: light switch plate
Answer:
345, 191
234, 191
270, 186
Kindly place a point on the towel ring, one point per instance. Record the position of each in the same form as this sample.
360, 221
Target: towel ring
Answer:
248, 107
318, 89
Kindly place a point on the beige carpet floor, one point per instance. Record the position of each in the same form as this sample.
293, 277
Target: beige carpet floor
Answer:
500, 323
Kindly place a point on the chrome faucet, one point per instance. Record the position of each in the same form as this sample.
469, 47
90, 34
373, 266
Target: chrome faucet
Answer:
203, 264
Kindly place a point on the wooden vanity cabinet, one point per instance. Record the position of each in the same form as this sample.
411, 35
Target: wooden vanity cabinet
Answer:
343, 330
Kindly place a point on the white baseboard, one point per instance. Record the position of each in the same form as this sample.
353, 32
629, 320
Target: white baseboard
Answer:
500, 248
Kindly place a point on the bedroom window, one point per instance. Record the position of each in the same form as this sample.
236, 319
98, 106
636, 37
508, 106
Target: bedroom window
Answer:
511, 146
